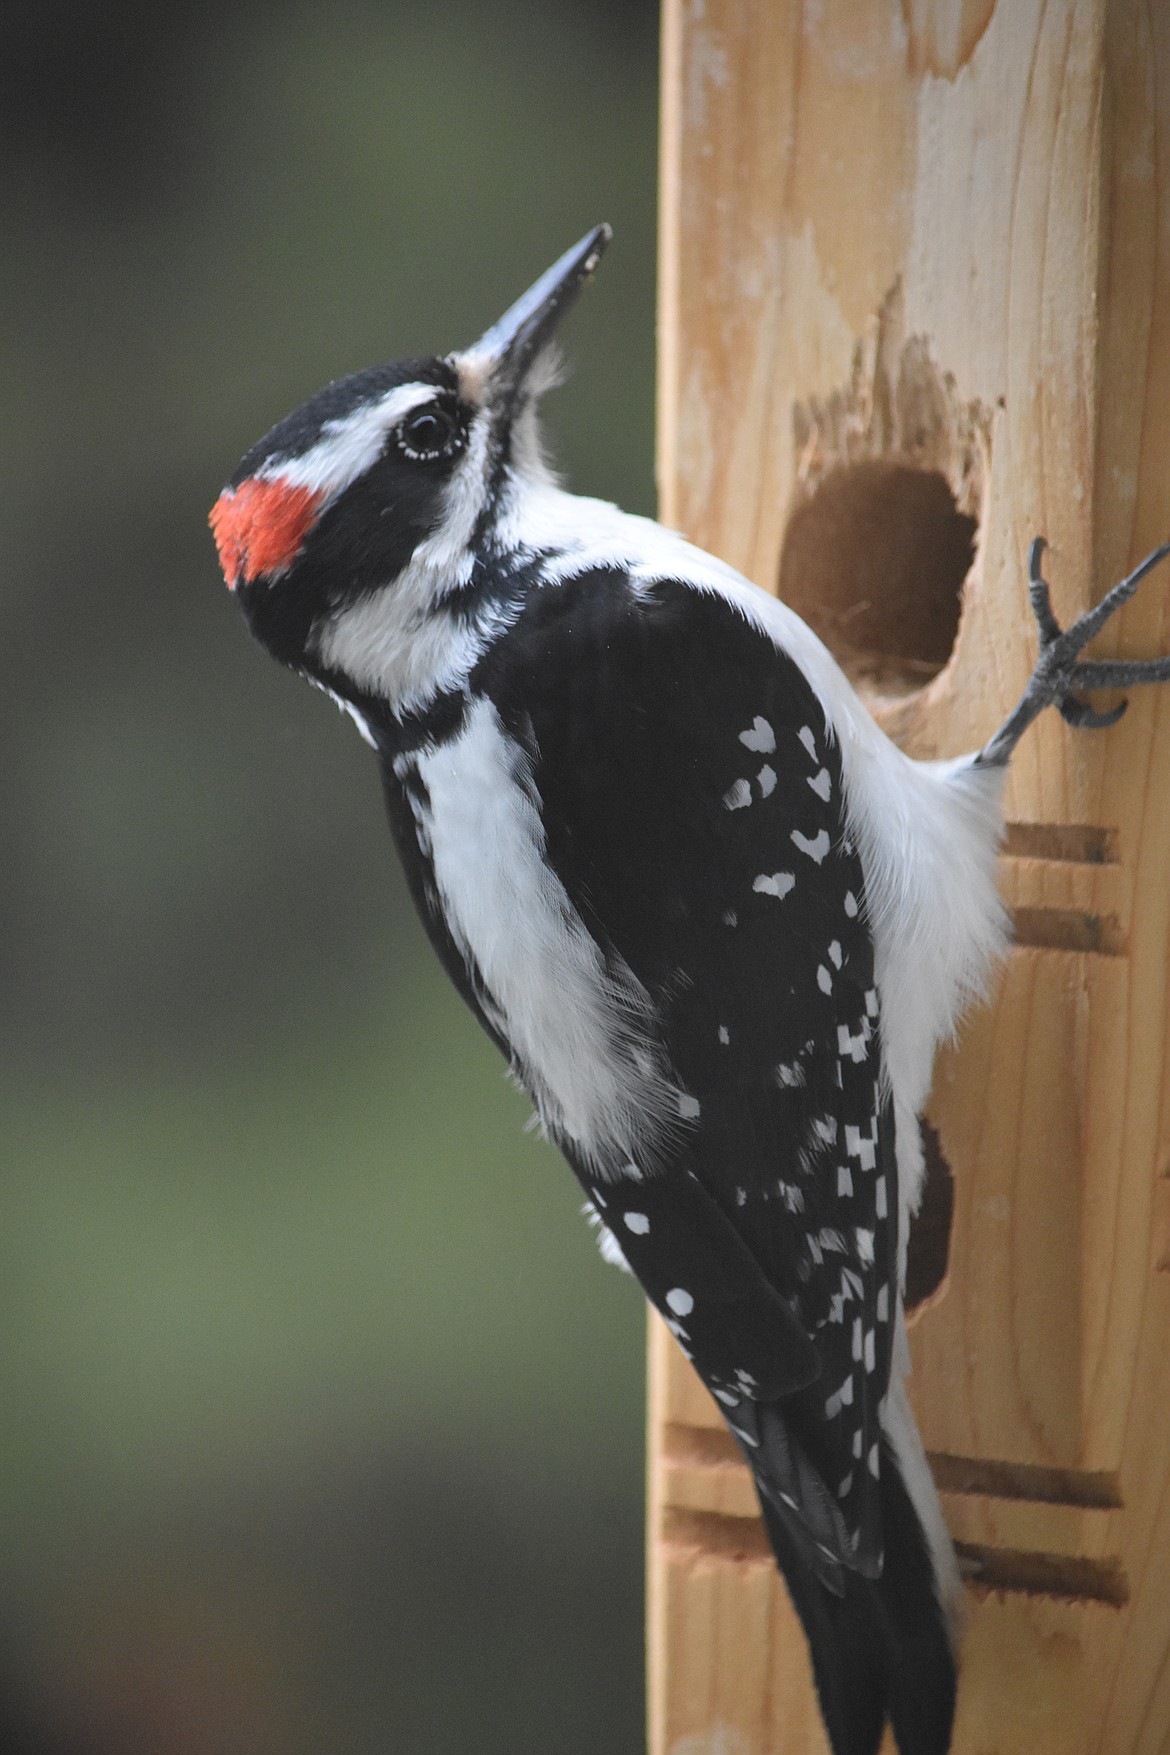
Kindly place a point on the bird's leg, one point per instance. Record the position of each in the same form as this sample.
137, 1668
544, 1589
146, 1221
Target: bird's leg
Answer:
1057, 671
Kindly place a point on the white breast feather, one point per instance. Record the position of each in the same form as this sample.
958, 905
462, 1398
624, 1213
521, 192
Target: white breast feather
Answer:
581, 1028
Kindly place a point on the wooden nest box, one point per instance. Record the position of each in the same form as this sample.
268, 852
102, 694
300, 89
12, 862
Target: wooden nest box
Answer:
915, 308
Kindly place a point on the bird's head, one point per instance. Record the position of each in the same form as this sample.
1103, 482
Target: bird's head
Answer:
345, 527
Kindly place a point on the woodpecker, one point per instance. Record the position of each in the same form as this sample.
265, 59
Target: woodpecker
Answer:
714, 919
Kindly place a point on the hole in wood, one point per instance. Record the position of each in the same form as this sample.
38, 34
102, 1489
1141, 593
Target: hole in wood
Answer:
874, 560
928, 1250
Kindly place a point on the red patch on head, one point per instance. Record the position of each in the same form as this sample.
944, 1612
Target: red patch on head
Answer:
259, 527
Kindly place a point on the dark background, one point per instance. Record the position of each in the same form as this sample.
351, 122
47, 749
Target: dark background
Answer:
320, 1419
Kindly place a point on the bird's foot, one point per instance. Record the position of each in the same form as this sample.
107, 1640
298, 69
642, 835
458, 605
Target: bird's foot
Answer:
1058, 670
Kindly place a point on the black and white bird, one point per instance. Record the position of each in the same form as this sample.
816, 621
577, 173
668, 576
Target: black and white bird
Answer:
715, 920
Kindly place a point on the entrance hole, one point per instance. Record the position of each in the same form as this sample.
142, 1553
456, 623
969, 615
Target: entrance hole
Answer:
874, 560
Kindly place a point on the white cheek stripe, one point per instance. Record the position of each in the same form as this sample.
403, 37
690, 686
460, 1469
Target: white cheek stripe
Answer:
581, 1031
392, 643
463, 502
347, 447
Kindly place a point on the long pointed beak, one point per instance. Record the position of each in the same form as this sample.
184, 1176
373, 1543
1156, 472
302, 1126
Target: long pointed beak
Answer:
511, 344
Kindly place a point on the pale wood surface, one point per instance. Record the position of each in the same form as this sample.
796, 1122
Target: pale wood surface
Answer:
935, 234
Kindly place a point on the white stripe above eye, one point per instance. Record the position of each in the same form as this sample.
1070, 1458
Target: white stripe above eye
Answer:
347, 447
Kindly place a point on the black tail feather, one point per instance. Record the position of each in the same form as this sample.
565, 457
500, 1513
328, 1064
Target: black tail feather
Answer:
922, 1679
850, 1661
880, 1651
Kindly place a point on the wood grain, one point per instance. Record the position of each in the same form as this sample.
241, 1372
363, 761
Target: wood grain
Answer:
933, 236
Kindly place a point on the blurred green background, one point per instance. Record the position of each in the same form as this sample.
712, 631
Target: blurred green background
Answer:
322, 1420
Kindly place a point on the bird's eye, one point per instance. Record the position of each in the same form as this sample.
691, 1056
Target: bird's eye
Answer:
429, 433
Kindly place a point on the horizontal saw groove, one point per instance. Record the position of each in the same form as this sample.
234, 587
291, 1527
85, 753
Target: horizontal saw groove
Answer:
1068, 929
704, 1447
1081, 1489
711, 1535
708, 1448
1074, 843
1085, 1489
1070, 1578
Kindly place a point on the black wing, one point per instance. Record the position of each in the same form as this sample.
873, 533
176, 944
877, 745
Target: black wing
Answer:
691, 798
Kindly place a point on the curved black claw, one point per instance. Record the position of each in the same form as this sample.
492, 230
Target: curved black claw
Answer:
1039, 595
1079, 713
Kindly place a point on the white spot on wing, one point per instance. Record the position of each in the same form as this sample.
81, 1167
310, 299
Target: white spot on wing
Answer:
737, 796
824, 979
861, 1147
680, 1301
760, 739
766, 781
841, 1398
852, 1046
822, 784
607, 1243
808, 740
638, 1223
778, 884
816, 848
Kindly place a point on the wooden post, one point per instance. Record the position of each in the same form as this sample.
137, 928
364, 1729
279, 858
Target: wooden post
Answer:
915, 289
